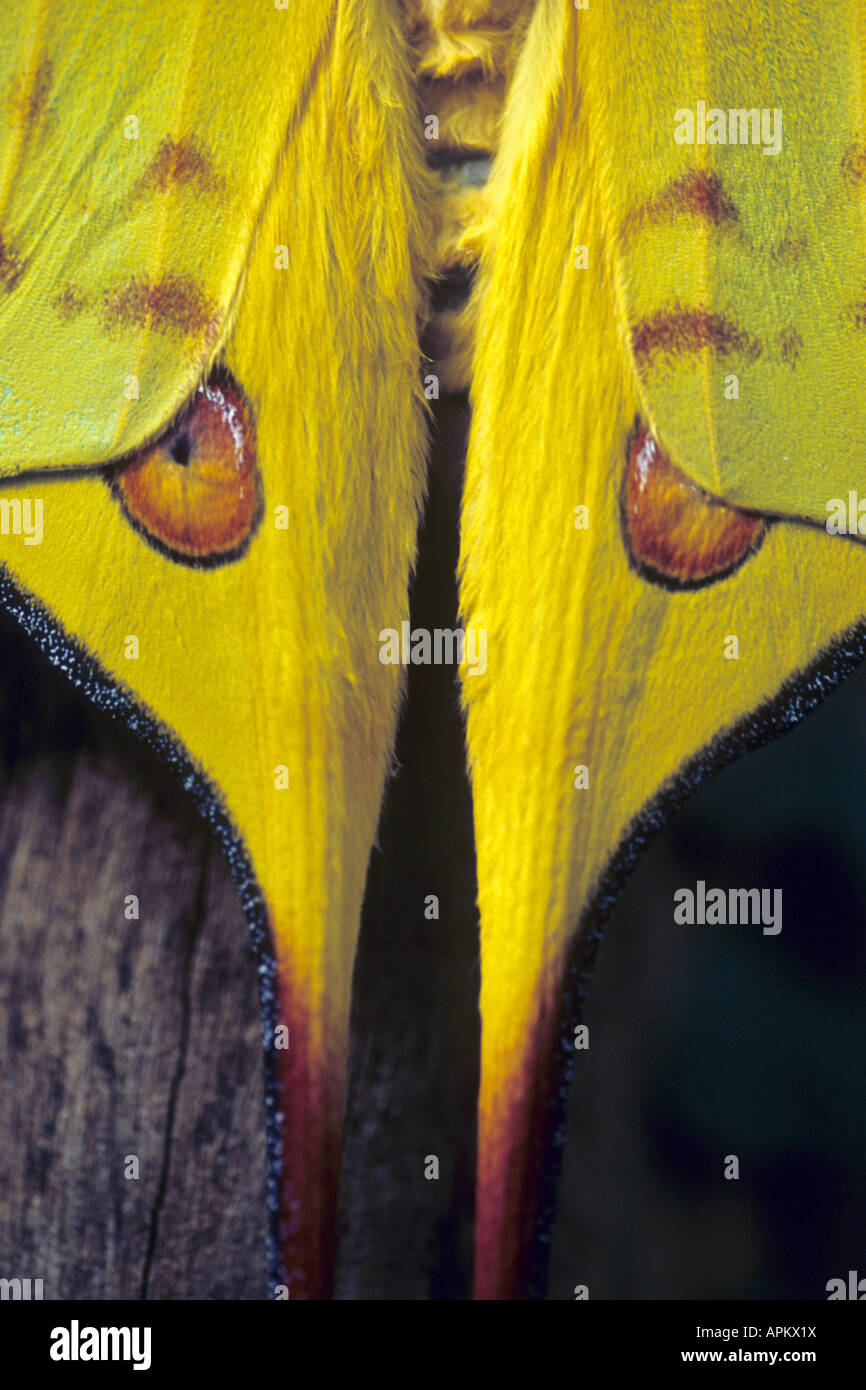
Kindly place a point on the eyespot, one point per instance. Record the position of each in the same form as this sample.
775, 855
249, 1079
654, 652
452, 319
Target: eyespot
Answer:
195, 493
677, 534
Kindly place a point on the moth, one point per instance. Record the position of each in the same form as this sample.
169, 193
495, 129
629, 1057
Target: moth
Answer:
217, 233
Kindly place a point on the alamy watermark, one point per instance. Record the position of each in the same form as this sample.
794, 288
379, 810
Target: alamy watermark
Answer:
846, 517
853, 1288
22, 516
20, 1290
77, 1343
444, 646
736, 906
735, 126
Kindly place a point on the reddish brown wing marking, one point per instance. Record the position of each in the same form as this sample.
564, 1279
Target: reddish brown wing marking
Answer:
793, 247
11, 265
179, 164
674, 332
696, 193
790, 345
29, 99
173, 304
69, 303
196, 493
855, 314
679, 330
853, 163
677, 533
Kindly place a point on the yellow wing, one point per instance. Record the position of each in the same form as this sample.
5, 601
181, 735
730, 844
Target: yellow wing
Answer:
733, 142
609, 694
250, 654
131, 189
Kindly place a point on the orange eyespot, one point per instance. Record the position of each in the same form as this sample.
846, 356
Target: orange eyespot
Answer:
196, 492
678, 534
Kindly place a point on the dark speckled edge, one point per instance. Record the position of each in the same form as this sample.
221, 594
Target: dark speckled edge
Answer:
85, 673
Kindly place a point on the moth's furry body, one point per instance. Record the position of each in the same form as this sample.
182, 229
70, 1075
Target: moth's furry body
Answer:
463, 57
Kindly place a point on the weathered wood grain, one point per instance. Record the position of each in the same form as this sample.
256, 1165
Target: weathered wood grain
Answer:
122, 1037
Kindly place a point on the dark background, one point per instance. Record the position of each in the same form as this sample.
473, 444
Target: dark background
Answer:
710, 1040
